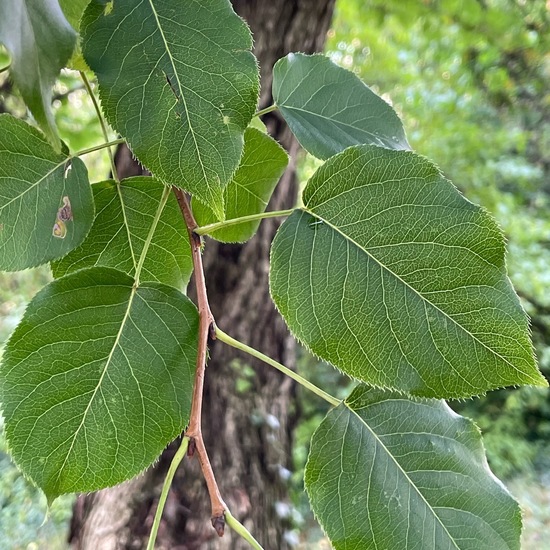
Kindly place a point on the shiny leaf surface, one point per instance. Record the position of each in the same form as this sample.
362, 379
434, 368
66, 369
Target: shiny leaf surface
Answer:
328, 108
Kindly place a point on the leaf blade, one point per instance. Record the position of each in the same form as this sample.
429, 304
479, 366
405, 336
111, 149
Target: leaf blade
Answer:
97, 379
391, 275
388, 459
250, 189
73, 10
35, 185
154, 52
329, 108
125, 213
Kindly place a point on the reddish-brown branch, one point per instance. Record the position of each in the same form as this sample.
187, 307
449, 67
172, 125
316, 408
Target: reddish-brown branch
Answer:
206, 324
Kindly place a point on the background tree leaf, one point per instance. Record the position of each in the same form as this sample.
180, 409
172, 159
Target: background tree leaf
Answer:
35, 184
388, 471
40, 42
329, 108
124, 216
391, 275
177, 80
263, 163
97, 379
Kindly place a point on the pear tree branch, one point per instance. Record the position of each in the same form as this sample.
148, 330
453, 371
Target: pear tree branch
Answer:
206, 330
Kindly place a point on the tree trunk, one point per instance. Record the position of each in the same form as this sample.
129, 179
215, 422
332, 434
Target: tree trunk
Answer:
247, 414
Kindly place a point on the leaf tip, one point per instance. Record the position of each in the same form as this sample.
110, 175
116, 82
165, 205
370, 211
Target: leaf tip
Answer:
50, 499
541, 381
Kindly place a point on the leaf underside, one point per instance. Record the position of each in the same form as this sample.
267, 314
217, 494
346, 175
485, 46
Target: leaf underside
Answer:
97, 379
179, 81
391, 275
329, 108
124, 216
40, 42
386, 471
36, 184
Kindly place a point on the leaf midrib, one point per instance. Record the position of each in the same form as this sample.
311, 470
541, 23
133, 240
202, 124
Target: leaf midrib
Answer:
33, 185
133, 293
403, 472
169, 52
435, 307
336, 122
125, 318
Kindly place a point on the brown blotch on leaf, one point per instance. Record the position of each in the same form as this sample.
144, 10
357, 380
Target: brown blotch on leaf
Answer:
65, 212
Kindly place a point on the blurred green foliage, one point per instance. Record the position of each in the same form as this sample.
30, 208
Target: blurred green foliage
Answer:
16, 289
534, 496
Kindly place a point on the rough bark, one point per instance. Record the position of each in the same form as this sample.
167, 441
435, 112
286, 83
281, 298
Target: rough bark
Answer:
247, 418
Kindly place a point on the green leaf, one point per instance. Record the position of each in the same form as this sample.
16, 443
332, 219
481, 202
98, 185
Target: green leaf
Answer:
40, 42
257, 123
73, 10
97, 379
124, 216
387, 471
391, 275
37, 186
329, 108
262, 165
178, 80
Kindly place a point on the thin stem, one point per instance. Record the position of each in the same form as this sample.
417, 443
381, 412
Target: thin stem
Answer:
98, 147
178, 457
210, 228
206, 324
263, 112
88, 87
241, 530
216, 501
205, 315
152, 229
223, 337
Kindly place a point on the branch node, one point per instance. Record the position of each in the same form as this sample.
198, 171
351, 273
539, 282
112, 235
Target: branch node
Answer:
218, 522
197, 239
212, 331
